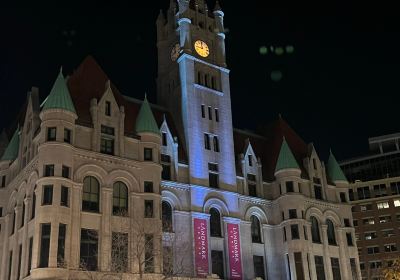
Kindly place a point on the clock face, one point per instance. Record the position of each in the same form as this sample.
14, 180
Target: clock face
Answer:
201, 48
175, 52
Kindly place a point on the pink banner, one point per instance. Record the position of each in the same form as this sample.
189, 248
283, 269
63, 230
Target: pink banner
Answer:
235, 262
201, 247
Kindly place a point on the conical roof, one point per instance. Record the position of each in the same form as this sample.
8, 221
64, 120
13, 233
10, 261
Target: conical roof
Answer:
59, 97
145, 121
12, 149
334, 171
286, 158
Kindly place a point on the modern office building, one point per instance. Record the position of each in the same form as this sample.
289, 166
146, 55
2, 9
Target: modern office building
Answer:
94, 180
375, 196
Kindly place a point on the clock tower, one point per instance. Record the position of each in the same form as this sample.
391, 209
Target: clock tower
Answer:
193, 84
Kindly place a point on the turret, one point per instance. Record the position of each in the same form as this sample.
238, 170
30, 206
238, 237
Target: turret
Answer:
220, 30
286, 165
335, 173
11, 152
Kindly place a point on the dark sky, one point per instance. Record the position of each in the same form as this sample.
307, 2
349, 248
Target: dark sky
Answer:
339, 86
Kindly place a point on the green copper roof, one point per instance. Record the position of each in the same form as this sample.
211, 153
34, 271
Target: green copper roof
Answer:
286, 159
11, 151
334, 170
59, 97
145, 121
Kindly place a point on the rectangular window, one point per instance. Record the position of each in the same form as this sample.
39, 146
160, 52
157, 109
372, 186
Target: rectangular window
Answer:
298, 262
47, 195
382, 205
148, 154
347, 222
342, 197
289, 186
164, 139
67, 135
292, 214
395, 187
61, 245
119, 252
318, 192
107, 146
148, 186
363, 192
3, 181
148, 206
258, 262
203, 111
252, 189
370, 235
319, 267
251, 177
335, 269
372, 250
353, 267
64, 201
213, 180
387, 233
108, 108
390, 248
250, 159
217, 263
65, 171
396, 202
216, 144
355, 223
375, 264
317, 180
107, 130
368, 221
45, 245
166, 171
48, 170
30, 255
216, 115
149, 253
207, 141
89, 249
1, 212
351, 195
380, 190
365, 207
385, 219
294, 229
51, 133
209, 113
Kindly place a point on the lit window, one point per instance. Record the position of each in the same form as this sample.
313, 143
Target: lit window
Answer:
383, 205
396, 202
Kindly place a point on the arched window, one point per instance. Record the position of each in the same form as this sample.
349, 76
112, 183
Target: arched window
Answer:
91, 194
316, 238
166, 217
331, 233
215, 222
255, 230
120, 199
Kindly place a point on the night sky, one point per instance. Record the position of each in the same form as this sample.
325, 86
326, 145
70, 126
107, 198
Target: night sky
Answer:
338, 87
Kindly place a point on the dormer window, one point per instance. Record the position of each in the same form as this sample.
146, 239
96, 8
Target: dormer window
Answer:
164, 139
107, 140
108, 108
250, 158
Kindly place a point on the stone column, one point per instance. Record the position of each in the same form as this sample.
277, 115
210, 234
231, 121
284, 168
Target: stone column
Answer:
309, 258
344, 259
53, 244
327, 259
15, 246
25, 243
73, 256
105, 230
6, 233
247, 251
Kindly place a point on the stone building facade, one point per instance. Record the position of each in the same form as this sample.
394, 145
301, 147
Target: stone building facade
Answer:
174, 181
